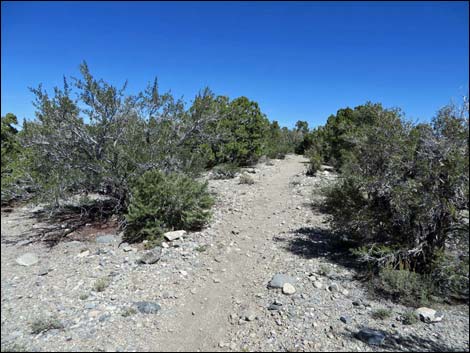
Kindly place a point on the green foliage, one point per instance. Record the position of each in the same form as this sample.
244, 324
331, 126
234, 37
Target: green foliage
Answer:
402, 186
401, 196
201, 248
45, 324
101, 284
278, 141
406, 286
315, 161
14, 160
409, 318
381, 314
166, 202
129, 311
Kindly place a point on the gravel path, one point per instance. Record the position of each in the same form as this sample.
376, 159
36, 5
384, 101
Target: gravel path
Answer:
212, 286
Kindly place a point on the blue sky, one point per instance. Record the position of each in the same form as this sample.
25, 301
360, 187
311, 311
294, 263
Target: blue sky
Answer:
298, 60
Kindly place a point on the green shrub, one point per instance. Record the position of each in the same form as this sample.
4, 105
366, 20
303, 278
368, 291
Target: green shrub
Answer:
409, 318
381, 314
161, 202
129, 311
401, 191
246, 179
315, 162
45, 324
101, 284
405, 286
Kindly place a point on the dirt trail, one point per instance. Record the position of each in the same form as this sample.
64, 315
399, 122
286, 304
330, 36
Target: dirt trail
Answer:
256, 226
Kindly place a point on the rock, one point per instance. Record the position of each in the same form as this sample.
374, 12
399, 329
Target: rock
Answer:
356, 303
216, 280
151, 256
148, 307
170, 236
250, 316
288, 289
275, 306
345, 319
27, 259
84, 253
428, 315
90, 306
372, 337
104, 317
165, 245
279, 280
333, 287
106, 239
126, 247
43, 272
317, 284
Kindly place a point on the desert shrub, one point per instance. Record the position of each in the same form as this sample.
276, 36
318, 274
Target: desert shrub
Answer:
201, 248
225, 171
238, 135
381, 314
166, 202
450, 272
129, 311
45, 324
403, 188
405, 286
315, 161
409, 318
14, 160
101, 284
246, 179
278, 141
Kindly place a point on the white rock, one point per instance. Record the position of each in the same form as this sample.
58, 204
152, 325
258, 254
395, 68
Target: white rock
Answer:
317, 284
428, 315
288, 289
170, 236
27, 259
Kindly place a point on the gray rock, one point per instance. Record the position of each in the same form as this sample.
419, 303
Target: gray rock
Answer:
372, 337
104, 317
170, 236
106, 239
148, 307
428, 315
333, 287
279, 280
151, 256
43, 272
275, 306
345, 319
27, 259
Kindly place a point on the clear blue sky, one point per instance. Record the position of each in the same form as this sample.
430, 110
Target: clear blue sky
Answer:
298, 60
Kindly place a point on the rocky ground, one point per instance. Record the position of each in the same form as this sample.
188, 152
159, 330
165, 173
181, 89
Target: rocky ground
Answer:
209, 290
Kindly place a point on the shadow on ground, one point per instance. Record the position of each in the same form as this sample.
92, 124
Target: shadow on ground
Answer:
315, 242
68, 222
407, 343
